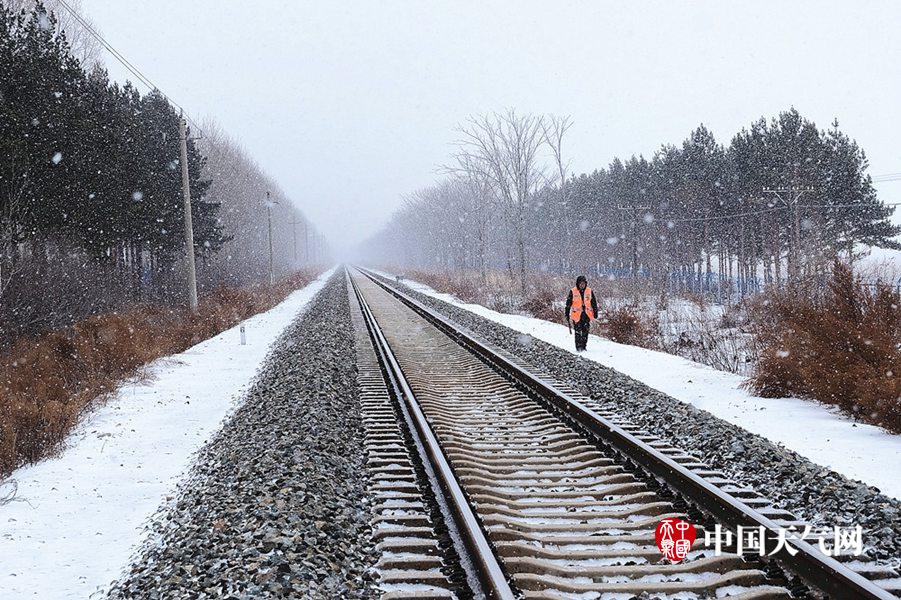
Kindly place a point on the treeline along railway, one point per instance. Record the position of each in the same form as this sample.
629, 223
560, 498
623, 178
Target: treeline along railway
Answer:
779, 203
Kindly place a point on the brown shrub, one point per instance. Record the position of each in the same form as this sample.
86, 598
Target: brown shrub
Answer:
542, 304
626, 325
46, 383
840, 347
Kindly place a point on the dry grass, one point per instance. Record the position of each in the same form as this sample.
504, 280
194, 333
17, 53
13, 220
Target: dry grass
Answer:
48, 382
840, 347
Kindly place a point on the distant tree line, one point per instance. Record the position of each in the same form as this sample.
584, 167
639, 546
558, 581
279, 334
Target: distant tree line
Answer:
91, 213
240, 186
779, 203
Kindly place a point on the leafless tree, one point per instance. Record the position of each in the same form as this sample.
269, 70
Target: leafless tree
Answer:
481, 201
554, 130
503, 151
240, 185
85, 47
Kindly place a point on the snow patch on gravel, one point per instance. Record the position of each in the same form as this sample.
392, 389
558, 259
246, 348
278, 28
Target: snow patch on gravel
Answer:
816, 431
77, 518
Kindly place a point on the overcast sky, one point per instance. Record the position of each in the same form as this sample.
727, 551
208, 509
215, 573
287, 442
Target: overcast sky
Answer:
350, 105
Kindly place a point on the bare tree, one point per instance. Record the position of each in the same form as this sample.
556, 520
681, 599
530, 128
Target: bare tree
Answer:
480, 201
240, 186
554, 130
503, 150
77, 29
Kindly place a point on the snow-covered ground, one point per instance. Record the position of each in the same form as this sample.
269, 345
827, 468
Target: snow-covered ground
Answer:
883, 263
817, 431
76, 519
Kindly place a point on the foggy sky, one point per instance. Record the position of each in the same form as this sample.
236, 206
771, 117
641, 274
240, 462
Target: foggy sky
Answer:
349, 105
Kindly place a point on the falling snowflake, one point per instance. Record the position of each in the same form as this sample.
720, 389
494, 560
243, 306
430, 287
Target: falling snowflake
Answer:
57, 158
612, 241
137, 196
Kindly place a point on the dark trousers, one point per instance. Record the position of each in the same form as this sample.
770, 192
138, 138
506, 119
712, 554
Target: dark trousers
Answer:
582, 328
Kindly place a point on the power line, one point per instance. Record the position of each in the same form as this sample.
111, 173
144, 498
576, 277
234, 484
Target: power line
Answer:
887, 177
846, 205
759, 212
720, 217
125, 62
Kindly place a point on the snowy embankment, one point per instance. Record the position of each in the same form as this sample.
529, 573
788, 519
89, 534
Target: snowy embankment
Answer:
76, 519
816, 431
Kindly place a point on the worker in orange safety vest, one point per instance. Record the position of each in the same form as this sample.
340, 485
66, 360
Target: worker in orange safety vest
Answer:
581, 310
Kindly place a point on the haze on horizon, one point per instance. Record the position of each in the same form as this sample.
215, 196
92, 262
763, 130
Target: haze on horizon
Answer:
351, 105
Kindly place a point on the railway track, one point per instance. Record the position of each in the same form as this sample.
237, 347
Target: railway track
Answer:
549, 498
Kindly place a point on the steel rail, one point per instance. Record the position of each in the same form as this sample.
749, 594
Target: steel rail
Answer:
491, 575
816, 568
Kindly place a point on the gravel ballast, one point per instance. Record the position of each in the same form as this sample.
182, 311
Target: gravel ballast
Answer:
812, 492
277, 504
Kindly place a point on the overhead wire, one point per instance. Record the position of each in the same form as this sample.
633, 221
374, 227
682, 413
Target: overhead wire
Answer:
756, 212
126, 63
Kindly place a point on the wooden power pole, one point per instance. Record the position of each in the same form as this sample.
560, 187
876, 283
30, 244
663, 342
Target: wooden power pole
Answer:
269, 216
791, 198
189, 227
634, 235
294, 222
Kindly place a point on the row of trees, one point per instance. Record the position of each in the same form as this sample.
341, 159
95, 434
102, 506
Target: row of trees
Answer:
242, 189
780, 202
91, 212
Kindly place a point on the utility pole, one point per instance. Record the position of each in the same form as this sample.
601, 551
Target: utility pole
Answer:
189, 227
790, 196
294, 236
269, 215
306, 243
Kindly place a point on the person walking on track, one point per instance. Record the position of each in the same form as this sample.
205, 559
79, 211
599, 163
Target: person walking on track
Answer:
581, 310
